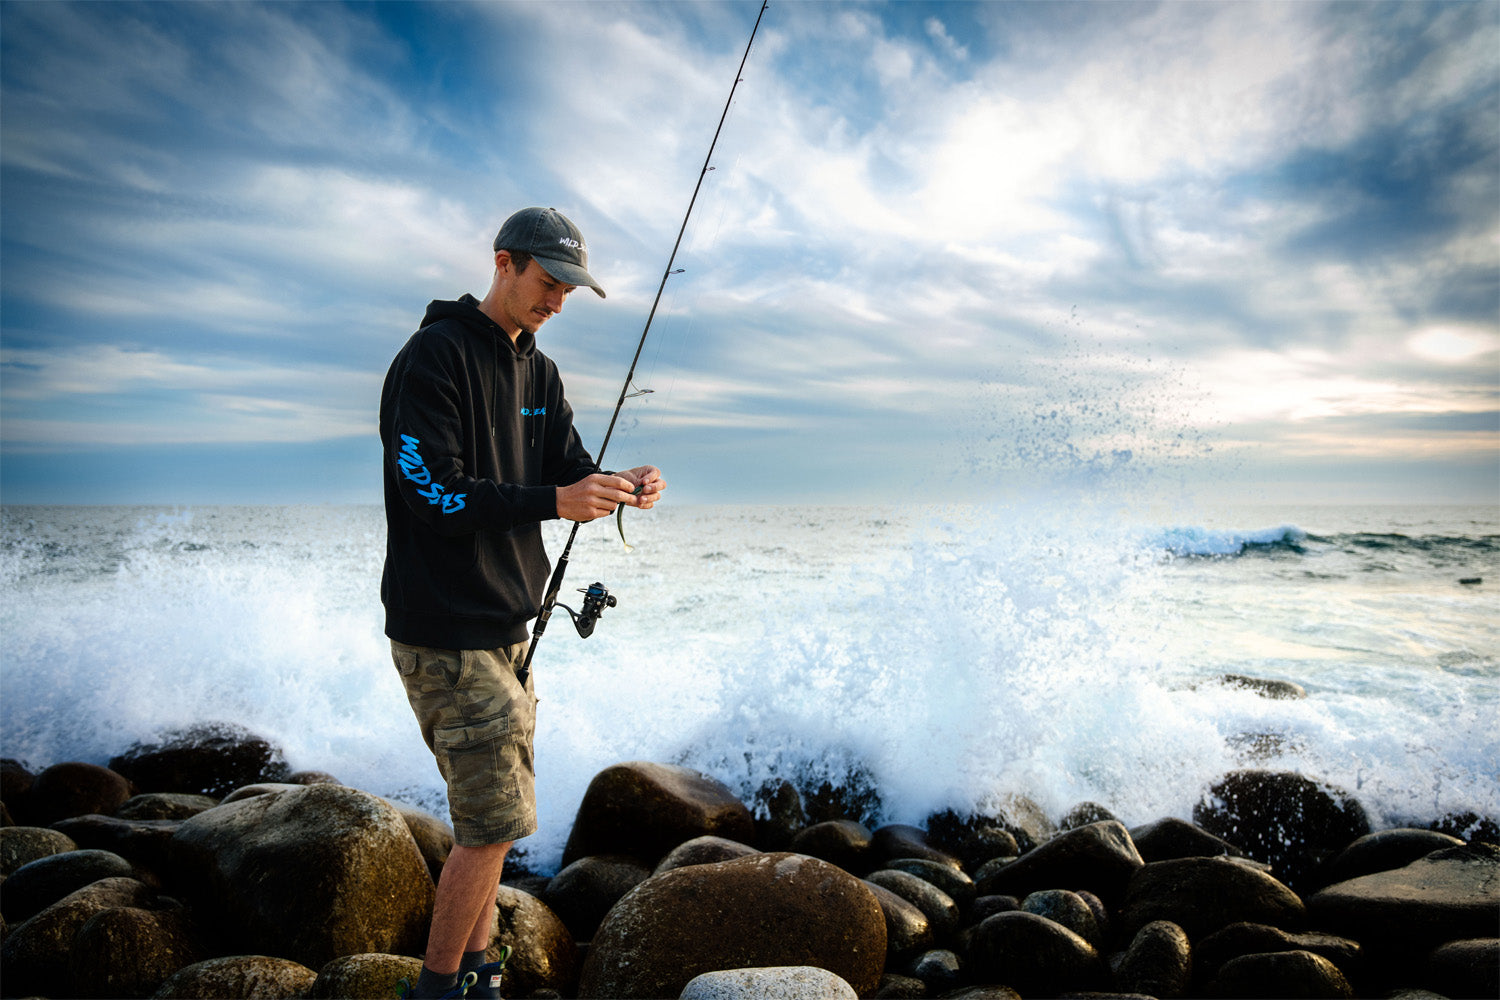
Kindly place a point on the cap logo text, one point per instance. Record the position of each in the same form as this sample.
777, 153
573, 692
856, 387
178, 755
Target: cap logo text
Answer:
569, 241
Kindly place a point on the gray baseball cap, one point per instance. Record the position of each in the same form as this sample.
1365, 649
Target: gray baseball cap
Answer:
556, 243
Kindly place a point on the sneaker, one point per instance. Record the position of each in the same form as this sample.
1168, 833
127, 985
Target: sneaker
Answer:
407, 990
488, 977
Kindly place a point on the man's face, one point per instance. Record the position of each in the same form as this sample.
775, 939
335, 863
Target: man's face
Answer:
533, 296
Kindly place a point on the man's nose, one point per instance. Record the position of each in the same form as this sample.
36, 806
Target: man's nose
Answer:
555, 300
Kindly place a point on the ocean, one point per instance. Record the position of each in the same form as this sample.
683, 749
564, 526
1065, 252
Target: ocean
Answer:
938, 657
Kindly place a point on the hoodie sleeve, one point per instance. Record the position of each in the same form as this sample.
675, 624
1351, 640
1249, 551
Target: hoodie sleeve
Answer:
423, 443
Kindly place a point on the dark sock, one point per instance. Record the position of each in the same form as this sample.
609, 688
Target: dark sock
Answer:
434, 984
471, 961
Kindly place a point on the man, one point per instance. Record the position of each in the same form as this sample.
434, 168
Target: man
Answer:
479, 449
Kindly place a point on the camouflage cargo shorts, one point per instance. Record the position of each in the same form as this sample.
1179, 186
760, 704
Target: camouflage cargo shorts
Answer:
479, 722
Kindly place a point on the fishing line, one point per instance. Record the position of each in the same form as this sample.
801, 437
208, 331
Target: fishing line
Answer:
596, 597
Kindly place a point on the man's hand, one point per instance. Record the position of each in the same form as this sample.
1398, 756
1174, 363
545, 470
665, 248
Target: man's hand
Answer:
594, 496
648, 479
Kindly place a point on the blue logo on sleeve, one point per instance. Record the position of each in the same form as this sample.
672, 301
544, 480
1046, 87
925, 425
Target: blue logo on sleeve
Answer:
413, 468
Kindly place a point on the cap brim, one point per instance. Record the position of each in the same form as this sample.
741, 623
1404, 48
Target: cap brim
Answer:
568, 273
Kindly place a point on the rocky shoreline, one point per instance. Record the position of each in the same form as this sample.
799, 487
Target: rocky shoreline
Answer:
200, 866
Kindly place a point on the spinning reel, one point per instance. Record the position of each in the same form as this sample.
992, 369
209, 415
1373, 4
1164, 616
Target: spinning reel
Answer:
595, 599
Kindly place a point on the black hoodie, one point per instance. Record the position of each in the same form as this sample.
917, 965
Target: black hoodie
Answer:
477, 436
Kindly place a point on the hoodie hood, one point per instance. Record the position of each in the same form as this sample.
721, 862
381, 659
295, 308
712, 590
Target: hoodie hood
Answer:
465, 309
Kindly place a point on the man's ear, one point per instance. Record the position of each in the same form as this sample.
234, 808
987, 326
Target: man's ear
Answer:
502, 260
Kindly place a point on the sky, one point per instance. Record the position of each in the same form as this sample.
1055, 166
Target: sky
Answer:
947, 252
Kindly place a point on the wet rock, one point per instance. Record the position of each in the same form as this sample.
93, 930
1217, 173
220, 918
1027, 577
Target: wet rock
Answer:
74, 789
433, 837
1280, 974
704, 851
1083, 814
896, 987
311, 778
1238, 939
952, 881
32, 888
1282, 818
243, 977
802, 982
258, 788
898, 840
38, 956
907, 929
583, 892
544, 955
1158, 963
1065, 908
212, 760
764, 910
128, 951
15, 779
778, 815
972, 839
939, 970
1099, 857
1033, 955
985, 993
164, 805
142, 842
308, 874
645, 809
364, 977
941, 911
21, 845
841, 842
1174, 838
1273, 689
1469, 968
1201, 895
1384, 851
1448, 895
988, 906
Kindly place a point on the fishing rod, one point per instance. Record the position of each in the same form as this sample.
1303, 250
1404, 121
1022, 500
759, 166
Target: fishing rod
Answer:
596, 597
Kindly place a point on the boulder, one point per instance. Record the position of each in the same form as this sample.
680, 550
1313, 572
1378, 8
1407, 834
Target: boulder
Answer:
907, 929
1291, 974
1158, 963
242, 977
434, 837
1384, 851
988, 906
364, 977
800, 982
73, 789
1068, 909
38, 956
841, 842
753, 912
544, 955
1469, 968
582, 893
1448, 895
1099, 857
307, 874
940, 909
952, 881
212, 759
1175, 838
258, 788
129, 951
1238, 939
1280, 817
15, 779
645, 809
143, 842
897, 987
1033, 955
897, 840
32, 888
21, 845
1201, 895
704, 851
164, 805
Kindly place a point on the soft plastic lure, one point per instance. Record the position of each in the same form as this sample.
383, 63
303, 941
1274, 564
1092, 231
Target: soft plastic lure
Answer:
620, 520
